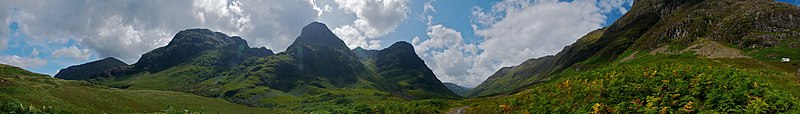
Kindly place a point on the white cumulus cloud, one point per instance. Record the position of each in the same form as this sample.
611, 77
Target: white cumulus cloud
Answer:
512, 31
71, 52
24, 62
374, 18
446, 54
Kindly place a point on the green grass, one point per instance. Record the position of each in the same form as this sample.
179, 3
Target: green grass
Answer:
657, 83
16, 71
81, 97
774, 54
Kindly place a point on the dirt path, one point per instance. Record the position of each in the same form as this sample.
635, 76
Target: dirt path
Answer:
459, 110
626, 59
706, 49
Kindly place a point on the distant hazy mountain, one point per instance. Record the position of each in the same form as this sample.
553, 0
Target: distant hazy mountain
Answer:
459, 90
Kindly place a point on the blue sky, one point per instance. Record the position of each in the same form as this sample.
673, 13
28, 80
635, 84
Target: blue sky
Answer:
461, 41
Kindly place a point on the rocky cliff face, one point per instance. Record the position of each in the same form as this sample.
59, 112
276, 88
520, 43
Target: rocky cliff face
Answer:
199, 47
320, 53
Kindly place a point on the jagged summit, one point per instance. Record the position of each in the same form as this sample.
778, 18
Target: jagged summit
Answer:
191, 36
317, 34
187, 45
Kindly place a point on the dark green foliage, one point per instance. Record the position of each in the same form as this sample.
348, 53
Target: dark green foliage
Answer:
14, 107
428, 106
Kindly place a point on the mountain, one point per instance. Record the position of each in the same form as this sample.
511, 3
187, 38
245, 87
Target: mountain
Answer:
676, 56
102, 67
193, 56
457, 89
316, 68
27, 92
400, 65
761, 29
318, 53
508, 79
199, 47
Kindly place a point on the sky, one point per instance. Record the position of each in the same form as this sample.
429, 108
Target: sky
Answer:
462, 41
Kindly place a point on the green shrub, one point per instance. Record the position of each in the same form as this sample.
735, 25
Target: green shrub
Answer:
685, 86
14, 107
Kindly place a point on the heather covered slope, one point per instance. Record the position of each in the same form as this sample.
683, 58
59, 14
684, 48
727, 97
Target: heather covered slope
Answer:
659, 83
761, 29
680, 56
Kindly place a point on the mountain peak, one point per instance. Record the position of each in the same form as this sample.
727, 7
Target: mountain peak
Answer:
318, 34
205, 36
402, 45
189, 44
315, 27
112, 59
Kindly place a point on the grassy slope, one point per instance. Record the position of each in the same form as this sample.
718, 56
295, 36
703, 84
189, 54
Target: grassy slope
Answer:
74, 96
528, 72
656, 83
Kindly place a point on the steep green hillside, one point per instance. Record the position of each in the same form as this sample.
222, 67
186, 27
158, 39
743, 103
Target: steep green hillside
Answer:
23, 91
658, 83
401, 66
682, 56
531, 71
761, 29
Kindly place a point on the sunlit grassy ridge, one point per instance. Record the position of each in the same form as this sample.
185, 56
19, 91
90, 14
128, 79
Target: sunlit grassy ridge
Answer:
25, 92
657, 83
